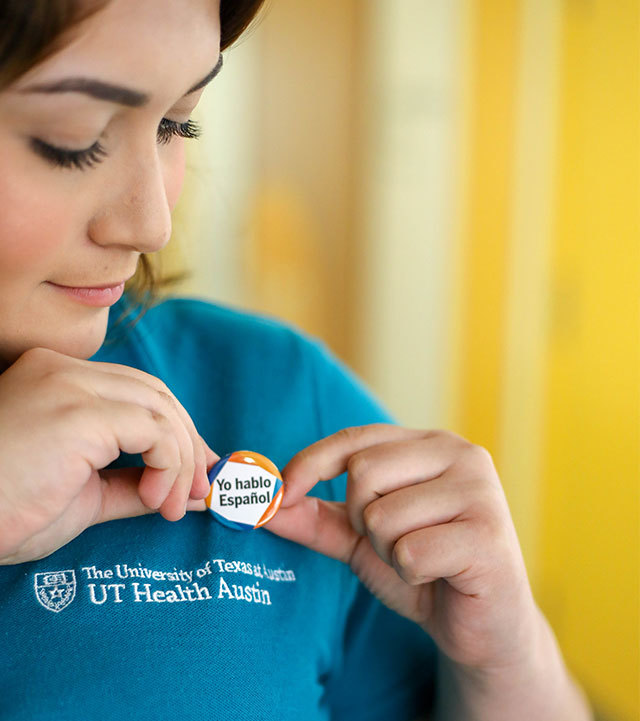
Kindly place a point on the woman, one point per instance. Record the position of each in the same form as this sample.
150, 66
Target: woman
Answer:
109, 610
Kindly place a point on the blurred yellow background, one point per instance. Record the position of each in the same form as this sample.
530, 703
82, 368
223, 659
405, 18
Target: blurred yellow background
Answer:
447, 192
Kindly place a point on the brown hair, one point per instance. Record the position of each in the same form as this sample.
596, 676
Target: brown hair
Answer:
32, 30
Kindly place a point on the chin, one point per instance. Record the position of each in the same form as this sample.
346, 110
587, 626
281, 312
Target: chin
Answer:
78, 340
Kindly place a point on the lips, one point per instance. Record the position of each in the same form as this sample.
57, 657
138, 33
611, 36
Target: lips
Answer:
115, 284
95, 286
97, 296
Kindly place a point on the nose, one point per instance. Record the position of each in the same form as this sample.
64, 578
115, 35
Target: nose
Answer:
136, 213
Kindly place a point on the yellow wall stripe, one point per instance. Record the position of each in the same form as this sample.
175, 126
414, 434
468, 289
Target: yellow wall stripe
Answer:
527, 295
495, 33
590, 590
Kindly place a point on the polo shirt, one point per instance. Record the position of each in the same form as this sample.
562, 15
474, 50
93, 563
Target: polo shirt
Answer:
143, 618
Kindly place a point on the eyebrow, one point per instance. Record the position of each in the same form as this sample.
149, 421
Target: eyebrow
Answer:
113, 93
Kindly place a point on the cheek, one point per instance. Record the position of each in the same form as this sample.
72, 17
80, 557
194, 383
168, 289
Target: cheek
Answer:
174, 166
33, 219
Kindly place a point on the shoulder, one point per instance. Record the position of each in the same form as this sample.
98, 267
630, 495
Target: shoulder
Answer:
214, 322
180, 321
236, 343
264, 373
192, 329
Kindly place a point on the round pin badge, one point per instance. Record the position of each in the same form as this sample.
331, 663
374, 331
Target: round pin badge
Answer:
246, 490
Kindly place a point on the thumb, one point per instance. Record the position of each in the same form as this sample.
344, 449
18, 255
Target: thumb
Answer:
322, 526
212, 456
120, 497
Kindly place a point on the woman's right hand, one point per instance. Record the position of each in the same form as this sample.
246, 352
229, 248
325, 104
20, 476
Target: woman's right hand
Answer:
62, 420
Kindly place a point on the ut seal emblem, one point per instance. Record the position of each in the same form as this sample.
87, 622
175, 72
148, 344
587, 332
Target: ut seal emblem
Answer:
56, 589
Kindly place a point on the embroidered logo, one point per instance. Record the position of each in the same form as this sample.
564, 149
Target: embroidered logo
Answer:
55, 589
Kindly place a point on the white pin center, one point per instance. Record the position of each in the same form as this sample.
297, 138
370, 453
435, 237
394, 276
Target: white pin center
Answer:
246, 490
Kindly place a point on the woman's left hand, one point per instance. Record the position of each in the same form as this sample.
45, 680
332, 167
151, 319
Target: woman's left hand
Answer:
427, 529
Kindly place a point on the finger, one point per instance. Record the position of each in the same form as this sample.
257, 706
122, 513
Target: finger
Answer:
408, 509
328, 457
324, 527
196, 505
121, 498
319, 525
135, 429
383, 468
155, 489
452, 551
201, 486
192, 454
211, 457
161, 396
175, 504
137, 387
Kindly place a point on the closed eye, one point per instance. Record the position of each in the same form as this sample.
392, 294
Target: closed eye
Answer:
63, 158
96, 153
168, 128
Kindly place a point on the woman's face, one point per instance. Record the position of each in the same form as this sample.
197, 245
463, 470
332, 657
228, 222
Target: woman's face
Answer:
84, 224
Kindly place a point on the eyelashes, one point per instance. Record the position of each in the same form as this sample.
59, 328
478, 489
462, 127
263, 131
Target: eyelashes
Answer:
89, 157
168, 129
79, 159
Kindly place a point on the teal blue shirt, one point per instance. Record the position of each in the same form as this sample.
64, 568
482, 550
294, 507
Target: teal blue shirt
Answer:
146, 619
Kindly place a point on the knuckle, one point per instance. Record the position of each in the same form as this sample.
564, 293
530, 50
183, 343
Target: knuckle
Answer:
167, 399
347, 435
66, 384
482, 501
147, 378
60, 385
479, 456
79, 411
373, 517
38, 356
167, 441
358, 466
161, 386
156, 418
444, 434
493, 531
164, 389
50, 370
404, 561
447, 438
307, 460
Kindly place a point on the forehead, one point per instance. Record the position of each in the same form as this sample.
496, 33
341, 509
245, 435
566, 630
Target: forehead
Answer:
159, 46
